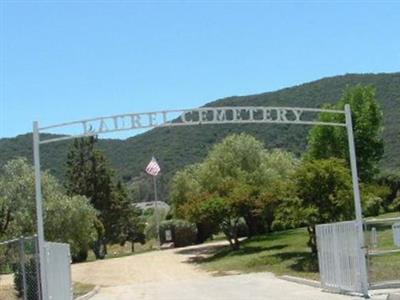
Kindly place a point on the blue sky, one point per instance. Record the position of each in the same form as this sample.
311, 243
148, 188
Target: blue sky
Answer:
68, 60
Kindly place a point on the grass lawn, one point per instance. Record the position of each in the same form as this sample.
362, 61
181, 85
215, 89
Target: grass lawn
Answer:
286, 253
283, 252
383, 267
115, 251
81, 289
8, 292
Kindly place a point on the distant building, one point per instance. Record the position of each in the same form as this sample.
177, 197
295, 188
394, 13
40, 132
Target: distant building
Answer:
147, 205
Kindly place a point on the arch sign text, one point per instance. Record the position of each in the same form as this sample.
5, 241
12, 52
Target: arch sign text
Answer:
205, 115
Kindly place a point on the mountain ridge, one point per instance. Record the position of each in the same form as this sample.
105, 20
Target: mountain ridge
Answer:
176, 147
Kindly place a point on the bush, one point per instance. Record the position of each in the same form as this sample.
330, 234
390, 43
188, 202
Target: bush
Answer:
279, 225
81, 256
372, 206
183, 232
205, 230
395, 206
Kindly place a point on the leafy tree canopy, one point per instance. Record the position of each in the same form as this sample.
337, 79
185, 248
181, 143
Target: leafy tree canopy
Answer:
325, 142
68, 219
323, 195
238, 179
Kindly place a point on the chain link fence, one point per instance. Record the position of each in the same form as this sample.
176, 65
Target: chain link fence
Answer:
19, 269
383, 243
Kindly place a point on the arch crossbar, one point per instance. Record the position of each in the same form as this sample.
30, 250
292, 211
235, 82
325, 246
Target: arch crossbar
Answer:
197, 116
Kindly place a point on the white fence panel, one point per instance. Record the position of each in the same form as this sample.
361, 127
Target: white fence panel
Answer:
339, 256
396, 234
58, 271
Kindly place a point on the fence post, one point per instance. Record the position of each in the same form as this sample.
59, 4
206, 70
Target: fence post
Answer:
22, 262
37, 258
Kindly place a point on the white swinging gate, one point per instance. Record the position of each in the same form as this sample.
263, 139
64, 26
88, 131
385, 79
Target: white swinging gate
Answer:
341, 266
205, 115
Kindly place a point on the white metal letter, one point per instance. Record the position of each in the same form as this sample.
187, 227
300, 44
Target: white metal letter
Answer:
219, 115
267, 114
135, 119
202, 116
297, 113
281, 115
152, 119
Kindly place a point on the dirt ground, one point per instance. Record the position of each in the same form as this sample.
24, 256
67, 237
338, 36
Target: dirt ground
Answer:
157, 266
170, 275
7, 291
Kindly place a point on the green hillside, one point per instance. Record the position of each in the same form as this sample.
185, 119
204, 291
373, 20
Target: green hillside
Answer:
175, 147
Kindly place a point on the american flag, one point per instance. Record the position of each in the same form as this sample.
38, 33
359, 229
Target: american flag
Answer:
153, 168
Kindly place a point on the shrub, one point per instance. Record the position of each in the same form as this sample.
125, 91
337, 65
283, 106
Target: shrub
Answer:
395, 206
81, 256
372, 206
183, 232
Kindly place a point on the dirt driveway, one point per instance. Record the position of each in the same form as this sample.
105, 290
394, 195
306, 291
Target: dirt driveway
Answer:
157, 266
168, 275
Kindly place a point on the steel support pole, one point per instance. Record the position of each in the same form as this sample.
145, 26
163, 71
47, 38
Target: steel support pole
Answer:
357, 201
156, 212
39, 210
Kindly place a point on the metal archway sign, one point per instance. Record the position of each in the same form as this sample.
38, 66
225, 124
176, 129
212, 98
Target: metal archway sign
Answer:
190, 117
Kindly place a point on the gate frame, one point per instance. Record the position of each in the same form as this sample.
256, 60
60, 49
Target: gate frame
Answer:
202, 119
370, 253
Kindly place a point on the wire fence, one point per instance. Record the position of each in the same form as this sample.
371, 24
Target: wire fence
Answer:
383, 242
19, 269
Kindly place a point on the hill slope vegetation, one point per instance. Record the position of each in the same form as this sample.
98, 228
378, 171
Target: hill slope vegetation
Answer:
178, 146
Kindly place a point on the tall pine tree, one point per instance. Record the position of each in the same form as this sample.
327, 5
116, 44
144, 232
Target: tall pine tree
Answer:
89, 174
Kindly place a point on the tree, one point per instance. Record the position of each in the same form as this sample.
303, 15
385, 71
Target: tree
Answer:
326, 141
238, 180
185, 186
17, 199
67, 219
89, 174
391, 180
275, 182
126, 222
323, 195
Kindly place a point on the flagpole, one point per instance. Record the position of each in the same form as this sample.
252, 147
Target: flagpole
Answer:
156, 212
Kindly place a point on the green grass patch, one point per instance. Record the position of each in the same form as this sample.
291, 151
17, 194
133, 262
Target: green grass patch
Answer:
283, 252
384, 268
385, 216
287, 253
81, 289
116, 250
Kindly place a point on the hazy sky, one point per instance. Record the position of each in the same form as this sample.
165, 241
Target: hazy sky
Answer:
68, 60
